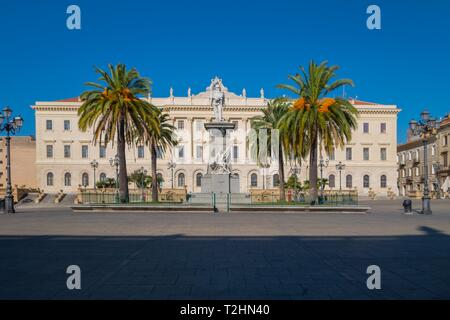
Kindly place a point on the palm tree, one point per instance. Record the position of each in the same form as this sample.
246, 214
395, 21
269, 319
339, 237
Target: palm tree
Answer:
160, 140
314, 116
270, 120
116, 113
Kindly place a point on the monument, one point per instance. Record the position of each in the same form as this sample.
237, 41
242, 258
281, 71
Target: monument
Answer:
218, 177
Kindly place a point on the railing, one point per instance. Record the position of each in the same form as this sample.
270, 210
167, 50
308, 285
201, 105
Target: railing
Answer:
226, 200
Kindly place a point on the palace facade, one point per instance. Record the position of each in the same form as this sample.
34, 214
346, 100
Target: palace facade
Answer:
64, 153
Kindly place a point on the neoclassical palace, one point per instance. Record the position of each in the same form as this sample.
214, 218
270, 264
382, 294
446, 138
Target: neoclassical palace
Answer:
64, 153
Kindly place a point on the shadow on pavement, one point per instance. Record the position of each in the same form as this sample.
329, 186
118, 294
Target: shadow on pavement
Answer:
232, 267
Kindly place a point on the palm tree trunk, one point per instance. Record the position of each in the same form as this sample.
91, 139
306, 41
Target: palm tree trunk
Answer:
154, 174
281, 172
313, 171
123, 178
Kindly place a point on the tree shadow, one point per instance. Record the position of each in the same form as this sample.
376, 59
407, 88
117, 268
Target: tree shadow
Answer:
226, 267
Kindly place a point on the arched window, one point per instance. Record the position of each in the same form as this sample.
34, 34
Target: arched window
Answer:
85, 179
198, 179
366, 181
253, 180
50, 179
181, 180
67, 179
332, 181
276, 180
348, 181
102, 176
160, 180
383, 181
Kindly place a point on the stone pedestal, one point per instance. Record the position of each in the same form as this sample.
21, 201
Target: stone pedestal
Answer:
220, 183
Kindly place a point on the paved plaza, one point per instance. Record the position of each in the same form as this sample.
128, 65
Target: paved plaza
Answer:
255, 255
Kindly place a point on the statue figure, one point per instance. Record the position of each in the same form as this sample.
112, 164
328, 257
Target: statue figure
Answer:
217, 99
189, 92
220, 164
262, 93
244, 93
171, 92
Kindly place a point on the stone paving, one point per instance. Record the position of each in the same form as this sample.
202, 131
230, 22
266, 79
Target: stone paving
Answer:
229, 256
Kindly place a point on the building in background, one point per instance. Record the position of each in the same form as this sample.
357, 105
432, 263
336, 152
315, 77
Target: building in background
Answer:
442, 163
64, 153
23, 157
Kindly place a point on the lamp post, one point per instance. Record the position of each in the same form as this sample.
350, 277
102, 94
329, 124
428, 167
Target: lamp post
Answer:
94, 165
340, 166
115, 162
171, 166
322, 163
426, 127
10, 125
144, 174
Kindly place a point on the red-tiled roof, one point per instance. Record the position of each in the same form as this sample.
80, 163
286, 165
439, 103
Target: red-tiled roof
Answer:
76, 99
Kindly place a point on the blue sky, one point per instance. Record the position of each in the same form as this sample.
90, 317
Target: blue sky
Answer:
249, 44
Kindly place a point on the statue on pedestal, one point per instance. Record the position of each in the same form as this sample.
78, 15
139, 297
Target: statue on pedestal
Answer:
217, 99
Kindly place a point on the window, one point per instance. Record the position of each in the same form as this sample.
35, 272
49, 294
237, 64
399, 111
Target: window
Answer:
199, 125
180, 124
366, 154
253, 180
409, 172
102, 151
366, 127
199, 152
383, 154
160, 180
276, 180
84, 151
332, 154
67, 179
348, 181
433, 150
383, 181
102, 176
366, 181
445, 140
181, 180
236, 124
140, 151
66, 151
332, 181
348, 153
66, 125
383, 127
181, 152
49, 151
49, 125
410, 155
417, 172
85, 179
159, 152
50, 179
198, 179
235, 152
445, 159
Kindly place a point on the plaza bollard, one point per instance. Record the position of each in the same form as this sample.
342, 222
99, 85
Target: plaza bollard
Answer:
407, 206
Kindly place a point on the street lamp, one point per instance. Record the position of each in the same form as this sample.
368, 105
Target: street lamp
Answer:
322, 163
115, 162
340, 166
94, 165
426, 127
10, 125
144, 174
171, 166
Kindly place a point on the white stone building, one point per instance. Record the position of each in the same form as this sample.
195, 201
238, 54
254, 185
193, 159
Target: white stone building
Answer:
64, 153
